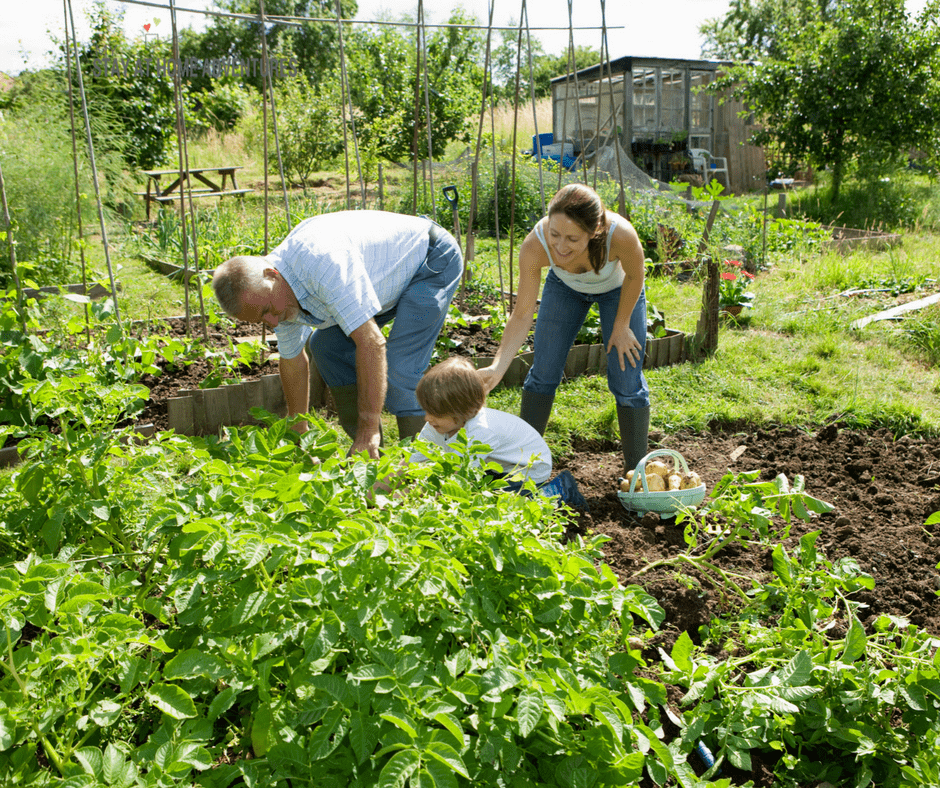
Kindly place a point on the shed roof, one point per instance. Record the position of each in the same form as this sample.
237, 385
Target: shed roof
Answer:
628, 62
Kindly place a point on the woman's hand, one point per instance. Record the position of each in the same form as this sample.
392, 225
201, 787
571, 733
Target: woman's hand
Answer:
626, 345
490, 377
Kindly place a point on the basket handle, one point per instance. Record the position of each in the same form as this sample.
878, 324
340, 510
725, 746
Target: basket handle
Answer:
640, 471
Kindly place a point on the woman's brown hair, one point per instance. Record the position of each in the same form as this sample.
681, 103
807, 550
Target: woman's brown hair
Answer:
585, 208
452, 388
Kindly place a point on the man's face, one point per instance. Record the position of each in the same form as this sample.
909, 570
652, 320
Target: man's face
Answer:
268, 304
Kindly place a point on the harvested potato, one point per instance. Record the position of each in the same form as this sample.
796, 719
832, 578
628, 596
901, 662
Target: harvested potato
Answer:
674, 481
659, 468
655, 482
625, 482
690, 480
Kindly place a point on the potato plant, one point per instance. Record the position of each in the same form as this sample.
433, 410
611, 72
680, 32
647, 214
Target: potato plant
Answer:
243, 611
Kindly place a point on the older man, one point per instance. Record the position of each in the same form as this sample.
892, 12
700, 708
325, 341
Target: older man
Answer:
346, 275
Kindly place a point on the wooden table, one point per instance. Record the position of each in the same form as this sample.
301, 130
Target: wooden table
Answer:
210, 186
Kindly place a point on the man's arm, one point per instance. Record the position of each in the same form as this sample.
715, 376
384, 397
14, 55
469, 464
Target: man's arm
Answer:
372, 382
295, 380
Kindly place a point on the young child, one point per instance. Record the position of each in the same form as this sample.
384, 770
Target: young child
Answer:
453, 397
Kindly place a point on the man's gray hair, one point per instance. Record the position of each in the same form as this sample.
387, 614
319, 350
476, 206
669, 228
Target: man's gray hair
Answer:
234, 278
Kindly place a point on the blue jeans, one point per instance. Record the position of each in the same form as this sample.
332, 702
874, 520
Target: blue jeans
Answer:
561, 314
419, 316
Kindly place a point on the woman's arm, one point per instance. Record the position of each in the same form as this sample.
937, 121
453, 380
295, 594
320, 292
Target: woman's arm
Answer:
626, 247
532, 259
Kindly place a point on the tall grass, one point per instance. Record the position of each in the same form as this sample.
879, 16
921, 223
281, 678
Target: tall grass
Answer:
503, 118
905, 200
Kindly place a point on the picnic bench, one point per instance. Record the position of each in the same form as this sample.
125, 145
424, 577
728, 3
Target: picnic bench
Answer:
158, 190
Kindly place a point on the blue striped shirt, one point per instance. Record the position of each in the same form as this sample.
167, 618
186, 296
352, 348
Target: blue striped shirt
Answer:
345, 268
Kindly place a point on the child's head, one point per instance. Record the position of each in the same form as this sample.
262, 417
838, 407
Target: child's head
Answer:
451, 391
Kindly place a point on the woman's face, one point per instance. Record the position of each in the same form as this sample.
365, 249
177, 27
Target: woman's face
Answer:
567, 239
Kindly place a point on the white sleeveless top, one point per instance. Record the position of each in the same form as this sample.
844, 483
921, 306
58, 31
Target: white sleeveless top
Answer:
610, 276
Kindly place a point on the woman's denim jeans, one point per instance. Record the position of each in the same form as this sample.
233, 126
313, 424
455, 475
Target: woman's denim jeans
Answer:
561, 314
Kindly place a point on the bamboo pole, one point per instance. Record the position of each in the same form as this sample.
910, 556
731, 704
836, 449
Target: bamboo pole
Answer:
183, 156
423, 37
78, 191
416, 116
94, 171
345, 89
605, 57
269, 77
515, 129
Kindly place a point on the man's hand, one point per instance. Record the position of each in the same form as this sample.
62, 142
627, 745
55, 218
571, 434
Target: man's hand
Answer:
367, 440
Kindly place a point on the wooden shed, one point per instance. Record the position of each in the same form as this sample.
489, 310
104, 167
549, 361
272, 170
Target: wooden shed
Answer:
671, 115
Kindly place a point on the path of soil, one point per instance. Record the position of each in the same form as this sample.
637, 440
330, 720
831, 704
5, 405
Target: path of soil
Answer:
882, 491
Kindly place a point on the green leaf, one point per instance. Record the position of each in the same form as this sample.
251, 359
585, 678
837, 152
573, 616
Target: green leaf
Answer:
105, 713
453, 727
192, 663
172, 700
221, 703
363, 735
328, 735
855, 642
682, 652
781, 562
117, 771
798, 671
448, 756
91, 760
400, 767
401, 721
529, 710
438, 775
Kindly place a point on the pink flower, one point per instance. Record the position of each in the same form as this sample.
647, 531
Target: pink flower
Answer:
729, 276
748, 274
735, 263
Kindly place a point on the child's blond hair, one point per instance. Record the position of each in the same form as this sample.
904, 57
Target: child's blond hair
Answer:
452, 388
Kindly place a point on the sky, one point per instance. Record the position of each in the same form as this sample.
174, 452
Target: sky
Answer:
663, 28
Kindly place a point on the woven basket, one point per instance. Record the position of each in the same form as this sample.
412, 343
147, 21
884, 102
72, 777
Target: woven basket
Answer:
667, 502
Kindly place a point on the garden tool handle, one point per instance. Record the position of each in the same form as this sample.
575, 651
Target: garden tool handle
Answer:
450, 194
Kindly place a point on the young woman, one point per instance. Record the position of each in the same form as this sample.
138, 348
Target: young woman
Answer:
593, 256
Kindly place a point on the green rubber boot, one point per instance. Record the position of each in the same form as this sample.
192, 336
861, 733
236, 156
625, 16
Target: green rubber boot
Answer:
535, 409
634, 426
346, 400
409, 426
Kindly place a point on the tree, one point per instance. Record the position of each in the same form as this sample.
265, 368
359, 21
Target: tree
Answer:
312, 46
545, 67
129, 90
755, 30
382, 69
855, 86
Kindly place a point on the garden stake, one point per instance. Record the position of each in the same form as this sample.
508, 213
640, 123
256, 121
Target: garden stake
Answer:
453, 200
78, 192
277, 140
344, 84
183, 151
474, 165
515, 128
423, 38
94, 172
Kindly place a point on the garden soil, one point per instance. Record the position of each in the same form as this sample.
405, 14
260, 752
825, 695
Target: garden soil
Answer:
882, 491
